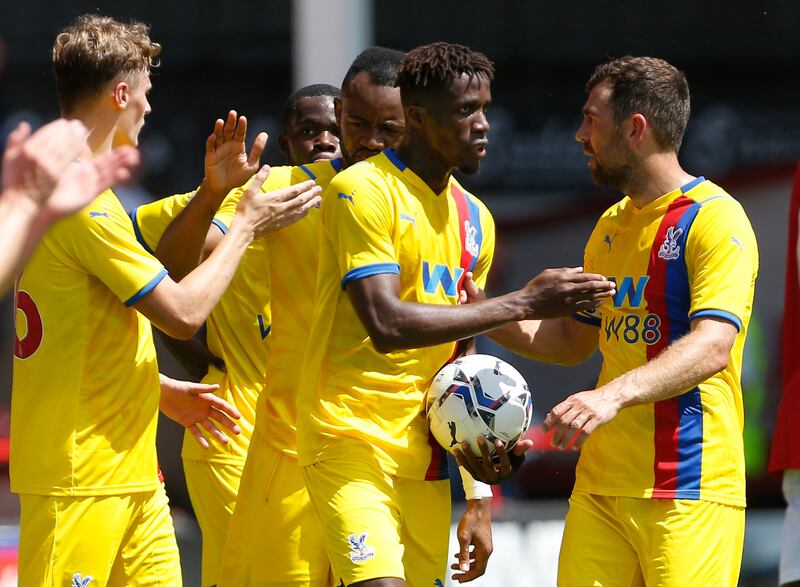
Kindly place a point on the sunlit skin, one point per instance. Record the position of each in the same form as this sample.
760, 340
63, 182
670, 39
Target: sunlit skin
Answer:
311, 133
370, 117
131, 97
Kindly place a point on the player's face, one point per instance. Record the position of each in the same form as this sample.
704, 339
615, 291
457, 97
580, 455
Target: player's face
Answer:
458, 127
131, 119
611, 161
311, 132
370, 117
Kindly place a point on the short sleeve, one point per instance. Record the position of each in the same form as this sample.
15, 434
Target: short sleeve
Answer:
150, 221
722, 262
100, 239
357, 217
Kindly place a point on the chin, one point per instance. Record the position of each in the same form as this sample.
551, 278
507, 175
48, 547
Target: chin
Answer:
470, 168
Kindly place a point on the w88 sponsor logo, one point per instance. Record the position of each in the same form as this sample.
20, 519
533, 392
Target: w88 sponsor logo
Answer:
632, 328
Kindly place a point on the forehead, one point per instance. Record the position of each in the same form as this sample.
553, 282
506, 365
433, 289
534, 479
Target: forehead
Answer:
599, 99
361, 96
466, 85
313, 105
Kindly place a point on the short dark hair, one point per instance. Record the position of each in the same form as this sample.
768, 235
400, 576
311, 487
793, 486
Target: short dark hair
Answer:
649, 86
380, 63
94, 50
432, 68
311, 91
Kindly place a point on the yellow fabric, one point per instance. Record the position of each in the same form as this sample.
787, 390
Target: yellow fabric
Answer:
375, 525
689, 447
633, 542
213, 489
85, 396
273, 519
236, 328
379, 217
114, 540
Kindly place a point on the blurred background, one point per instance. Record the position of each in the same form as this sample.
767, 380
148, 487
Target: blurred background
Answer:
742, 59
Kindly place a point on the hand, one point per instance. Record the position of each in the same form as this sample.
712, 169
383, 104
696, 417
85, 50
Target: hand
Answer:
269, 212
579, 415
562, 292
474, 539
227, 164
42, 167
487, 468
470, 292
192, 404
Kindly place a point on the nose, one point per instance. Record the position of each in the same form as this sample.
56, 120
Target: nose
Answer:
326, 141
482, 123
373, 139
582, 134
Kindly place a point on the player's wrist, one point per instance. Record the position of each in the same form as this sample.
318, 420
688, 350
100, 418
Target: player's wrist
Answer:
211, 194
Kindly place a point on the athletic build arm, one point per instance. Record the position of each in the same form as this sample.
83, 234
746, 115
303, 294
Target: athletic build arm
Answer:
683, 365
393, 324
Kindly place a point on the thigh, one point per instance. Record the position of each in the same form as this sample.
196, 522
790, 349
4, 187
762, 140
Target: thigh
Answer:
789, 568
688, 543
149, 550
274, 538
595, 549
357, 508
70, 541
425, 517
213, 488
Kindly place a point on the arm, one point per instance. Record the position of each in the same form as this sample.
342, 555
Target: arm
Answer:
193, 354
41, 184
394, 324
683, 365
180, 308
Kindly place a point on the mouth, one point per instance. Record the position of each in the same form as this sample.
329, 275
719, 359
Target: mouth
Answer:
479, 147
323, 156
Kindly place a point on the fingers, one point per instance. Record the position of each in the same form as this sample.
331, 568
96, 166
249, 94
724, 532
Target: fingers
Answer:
257, 149
258, 180
522, 446
464, 541
293, 191
215, 432
211, 143
225, 409
201, 388
114, 167
18, 136
241, 130
229, 128
198, 436
219, 126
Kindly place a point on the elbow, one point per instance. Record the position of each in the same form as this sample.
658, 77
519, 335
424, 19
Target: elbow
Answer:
718, 359
385, 342
184, 327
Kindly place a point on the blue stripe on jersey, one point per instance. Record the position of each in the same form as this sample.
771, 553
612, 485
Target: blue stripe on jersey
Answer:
369, 271
308, 172
474, 220
394, 159
337, 164
221, 225
138, 232
151, 285
696, 181
586, 319
690, 431
729, 316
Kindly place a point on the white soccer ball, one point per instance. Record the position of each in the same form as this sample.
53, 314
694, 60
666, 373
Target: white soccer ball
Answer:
478, 395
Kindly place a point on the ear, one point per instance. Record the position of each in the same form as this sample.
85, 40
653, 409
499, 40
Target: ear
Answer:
283, 145
121, 94
638, 129
337, 110
416, 116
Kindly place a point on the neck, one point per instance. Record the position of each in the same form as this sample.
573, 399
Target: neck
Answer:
419, 157
102, 127
658, 174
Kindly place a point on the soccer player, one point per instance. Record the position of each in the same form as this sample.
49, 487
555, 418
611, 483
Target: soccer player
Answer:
785, 454
40, 185
310, 131
371, 119
659, 492
86, 389
398, 233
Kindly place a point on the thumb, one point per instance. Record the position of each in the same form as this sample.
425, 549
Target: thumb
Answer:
200, 388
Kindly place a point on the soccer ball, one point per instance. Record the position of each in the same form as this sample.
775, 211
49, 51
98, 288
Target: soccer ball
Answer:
478, 395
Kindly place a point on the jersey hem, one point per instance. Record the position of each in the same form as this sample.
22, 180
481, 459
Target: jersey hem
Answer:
712, 313
370, 270
87, 491
701, 495
138, 232
146, 289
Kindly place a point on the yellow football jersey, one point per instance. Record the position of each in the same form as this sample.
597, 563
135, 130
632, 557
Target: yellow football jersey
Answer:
236, 328
86, 390
379, 217
690, 253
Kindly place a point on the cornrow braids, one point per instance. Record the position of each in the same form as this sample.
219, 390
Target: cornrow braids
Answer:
436, 65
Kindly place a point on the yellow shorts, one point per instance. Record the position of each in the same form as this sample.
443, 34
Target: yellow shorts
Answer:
114, 540
626, 541
274, 537
212, 488
375, 525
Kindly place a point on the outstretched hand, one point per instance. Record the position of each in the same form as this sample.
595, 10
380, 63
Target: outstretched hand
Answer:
562, 292
43, 167
193, 405
579, 415
227, 163
474, 535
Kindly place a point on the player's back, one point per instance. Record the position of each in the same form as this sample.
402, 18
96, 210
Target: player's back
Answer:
86, 390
